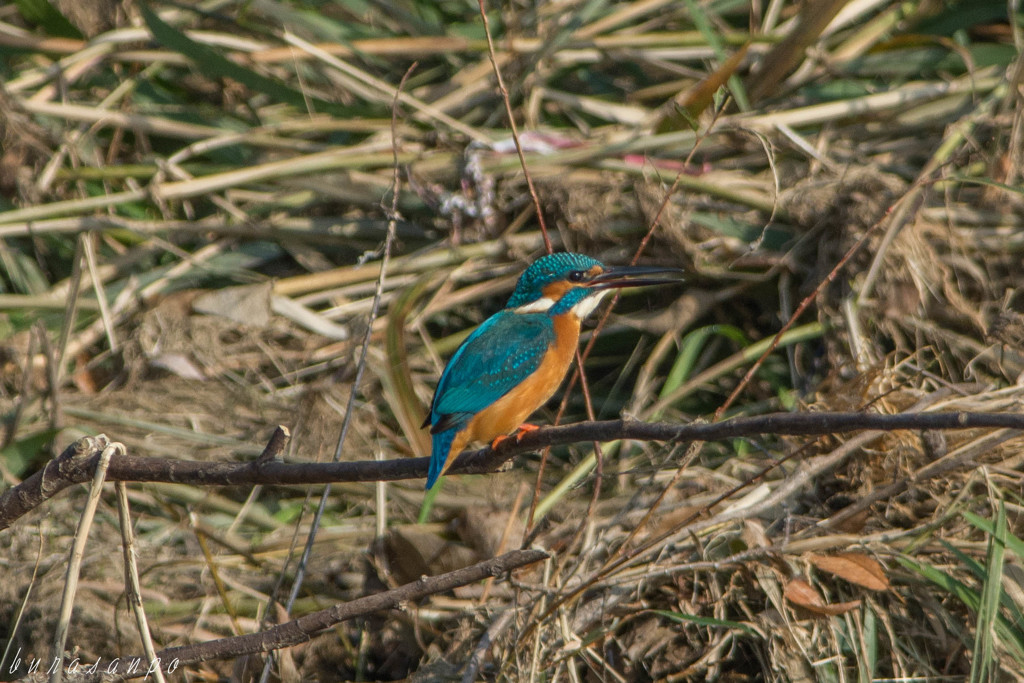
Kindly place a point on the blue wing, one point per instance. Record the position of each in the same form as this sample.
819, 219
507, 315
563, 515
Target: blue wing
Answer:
500, 354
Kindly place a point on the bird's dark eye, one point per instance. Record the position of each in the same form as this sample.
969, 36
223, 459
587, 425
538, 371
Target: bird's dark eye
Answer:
577, 276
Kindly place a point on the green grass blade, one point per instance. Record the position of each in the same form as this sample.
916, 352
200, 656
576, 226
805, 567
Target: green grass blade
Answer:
868, 669
1010, 636
428, 502
944, 581
748, 354
988, 610
691, 346
1013, 544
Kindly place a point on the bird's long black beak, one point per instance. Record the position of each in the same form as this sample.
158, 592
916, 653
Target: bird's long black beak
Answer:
635, 276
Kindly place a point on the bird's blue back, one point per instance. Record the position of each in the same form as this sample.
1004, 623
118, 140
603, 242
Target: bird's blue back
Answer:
506, 349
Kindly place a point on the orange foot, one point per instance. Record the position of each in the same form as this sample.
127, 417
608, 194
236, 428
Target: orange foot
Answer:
518, 435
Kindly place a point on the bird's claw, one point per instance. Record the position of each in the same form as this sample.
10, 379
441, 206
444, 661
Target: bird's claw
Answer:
517, 435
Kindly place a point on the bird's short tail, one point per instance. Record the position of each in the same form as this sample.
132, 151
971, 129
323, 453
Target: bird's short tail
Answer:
441, 450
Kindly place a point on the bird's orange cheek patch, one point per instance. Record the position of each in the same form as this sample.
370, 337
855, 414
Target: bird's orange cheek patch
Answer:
555, 290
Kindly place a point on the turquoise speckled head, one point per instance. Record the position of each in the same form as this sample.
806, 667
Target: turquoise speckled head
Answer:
546, 271
560, 283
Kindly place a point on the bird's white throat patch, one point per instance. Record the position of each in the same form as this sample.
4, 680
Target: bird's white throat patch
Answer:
589, 303
539, 306
580, 310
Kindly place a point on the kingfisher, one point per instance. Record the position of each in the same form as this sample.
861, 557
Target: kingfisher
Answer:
516, 359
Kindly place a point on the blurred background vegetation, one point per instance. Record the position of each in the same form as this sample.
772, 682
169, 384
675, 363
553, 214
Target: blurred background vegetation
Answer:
194, 200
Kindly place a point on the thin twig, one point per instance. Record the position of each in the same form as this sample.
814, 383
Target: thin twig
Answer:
214, 569
131, 573
12, 630
595, 495
53, 372
275, 447
74, 291
67, 598
498, 626
86, 240
26, 390
515, 131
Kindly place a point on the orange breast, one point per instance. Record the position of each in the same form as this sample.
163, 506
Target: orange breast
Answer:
511, 410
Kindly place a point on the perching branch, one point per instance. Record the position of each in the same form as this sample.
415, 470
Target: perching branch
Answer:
75, 464
305, 627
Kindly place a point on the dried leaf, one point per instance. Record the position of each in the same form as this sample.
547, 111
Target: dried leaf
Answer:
854, 567
698, 98
802, 594
682, 112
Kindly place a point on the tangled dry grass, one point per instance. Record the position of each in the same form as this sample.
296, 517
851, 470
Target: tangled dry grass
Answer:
194, 206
